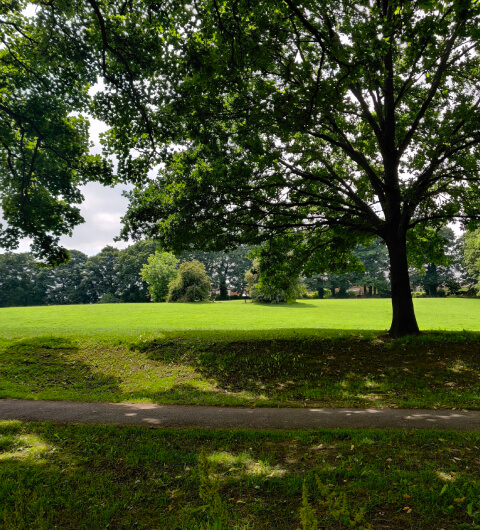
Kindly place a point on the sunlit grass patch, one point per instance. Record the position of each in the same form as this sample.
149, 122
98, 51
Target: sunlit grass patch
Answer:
22, 447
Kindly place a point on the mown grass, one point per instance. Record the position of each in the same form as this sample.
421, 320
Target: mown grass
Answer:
104, 477
110, 321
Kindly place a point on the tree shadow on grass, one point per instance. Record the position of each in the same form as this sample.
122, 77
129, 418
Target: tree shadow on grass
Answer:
354, 370
295, 305
43, 367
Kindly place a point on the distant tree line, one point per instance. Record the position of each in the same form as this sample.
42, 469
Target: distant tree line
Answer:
454, 270
115, 275
110, 276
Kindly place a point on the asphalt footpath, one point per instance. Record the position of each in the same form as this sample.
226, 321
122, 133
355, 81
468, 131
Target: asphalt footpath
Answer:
183, 416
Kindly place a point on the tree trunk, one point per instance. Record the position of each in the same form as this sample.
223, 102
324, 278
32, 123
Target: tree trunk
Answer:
403, 319
223, 288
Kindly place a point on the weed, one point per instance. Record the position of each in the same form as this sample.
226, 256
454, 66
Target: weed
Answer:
333, 505
209, 491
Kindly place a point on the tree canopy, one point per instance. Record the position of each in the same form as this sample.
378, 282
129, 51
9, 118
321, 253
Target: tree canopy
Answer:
313, 126
44, 141
225, 270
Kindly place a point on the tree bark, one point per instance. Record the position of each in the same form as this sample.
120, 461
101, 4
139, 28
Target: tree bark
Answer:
223, 288
404, 321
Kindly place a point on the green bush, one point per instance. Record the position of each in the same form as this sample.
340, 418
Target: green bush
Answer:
191, 285
159, 272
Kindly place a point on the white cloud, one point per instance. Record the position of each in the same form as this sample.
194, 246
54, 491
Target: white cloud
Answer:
102, 209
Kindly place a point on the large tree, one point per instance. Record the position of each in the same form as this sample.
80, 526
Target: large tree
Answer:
159, 271
320, 124
312, 125
101, 276
225, 270
131, 287
20, 284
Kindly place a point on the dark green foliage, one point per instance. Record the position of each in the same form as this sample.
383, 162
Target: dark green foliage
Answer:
445, 269
100, 276
66, 281
374, 258
130, 262
44, 143
110, 276
226, 270
471, 257
191, 285
21, 282
263, 289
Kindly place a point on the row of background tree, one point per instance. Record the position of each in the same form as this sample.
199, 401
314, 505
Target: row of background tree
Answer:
113, 275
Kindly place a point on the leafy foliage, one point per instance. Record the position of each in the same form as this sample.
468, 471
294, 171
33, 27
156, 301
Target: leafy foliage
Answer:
66, 282
20, 283
158, 272
263, 289
191, 285
225, 269
471, 254
44, 143
130, 262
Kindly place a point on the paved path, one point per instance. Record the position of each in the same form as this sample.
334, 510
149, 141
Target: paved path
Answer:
150, 415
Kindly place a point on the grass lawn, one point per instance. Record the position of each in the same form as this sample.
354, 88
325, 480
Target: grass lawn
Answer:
104, 477
107, 321
323, 353
232, 353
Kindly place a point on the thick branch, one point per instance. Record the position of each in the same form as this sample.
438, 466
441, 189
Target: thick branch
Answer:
437, 78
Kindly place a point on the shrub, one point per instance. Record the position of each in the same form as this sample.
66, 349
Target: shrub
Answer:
191, 285
109, 298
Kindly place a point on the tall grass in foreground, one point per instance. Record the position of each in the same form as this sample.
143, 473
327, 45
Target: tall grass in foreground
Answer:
105, 477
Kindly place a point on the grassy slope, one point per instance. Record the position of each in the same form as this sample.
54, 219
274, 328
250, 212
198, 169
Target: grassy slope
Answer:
316, 352
207, 354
